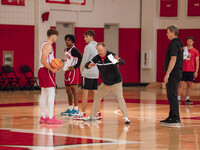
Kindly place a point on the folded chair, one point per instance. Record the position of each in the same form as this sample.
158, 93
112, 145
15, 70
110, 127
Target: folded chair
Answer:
2, 81
31, 80
12, 79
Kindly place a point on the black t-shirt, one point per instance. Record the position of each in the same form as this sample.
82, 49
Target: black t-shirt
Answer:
175, 48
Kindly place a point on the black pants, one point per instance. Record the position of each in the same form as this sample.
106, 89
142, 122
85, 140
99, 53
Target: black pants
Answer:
172, 92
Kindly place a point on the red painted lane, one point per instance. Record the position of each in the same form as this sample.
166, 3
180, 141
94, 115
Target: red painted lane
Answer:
193, 118
12, 148
31, 139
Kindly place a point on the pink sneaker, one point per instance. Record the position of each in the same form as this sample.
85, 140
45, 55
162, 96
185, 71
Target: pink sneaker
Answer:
79, 117
99, 117
53, 120
43, 120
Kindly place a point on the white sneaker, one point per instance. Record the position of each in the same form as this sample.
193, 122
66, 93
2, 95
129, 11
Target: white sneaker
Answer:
99, 117
89, 119
81, 116
126, 120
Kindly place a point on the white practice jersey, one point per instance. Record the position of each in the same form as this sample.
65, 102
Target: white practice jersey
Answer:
69, 59
51, 55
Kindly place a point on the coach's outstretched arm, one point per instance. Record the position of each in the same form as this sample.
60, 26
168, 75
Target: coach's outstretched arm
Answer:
121, 61
91, 63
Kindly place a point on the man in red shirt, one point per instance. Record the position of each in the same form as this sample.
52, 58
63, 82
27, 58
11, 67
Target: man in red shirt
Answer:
190, 69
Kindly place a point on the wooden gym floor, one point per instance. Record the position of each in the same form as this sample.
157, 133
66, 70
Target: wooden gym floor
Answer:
20, 130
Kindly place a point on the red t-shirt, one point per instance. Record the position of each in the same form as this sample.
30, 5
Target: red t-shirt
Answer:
103, 58
189, 65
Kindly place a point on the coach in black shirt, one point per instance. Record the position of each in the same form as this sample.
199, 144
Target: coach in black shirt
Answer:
173, 73
107, 63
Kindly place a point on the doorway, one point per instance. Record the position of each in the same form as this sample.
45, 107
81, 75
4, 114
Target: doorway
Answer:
111, 37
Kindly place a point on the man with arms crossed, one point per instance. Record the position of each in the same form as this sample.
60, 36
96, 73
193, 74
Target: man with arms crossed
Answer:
173, 73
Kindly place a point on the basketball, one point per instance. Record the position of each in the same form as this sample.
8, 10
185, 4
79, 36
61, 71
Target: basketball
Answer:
56, 63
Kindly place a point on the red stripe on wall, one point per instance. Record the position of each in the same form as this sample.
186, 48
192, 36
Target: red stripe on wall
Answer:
129, 51
20, 40
163, 42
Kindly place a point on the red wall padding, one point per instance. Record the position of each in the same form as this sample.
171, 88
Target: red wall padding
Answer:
20, 39
129, 51
163, 42
193, 8
168, 8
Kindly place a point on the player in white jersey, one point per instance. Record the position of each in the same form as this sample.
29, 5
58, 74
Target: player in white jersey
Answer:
72, 61
46, 76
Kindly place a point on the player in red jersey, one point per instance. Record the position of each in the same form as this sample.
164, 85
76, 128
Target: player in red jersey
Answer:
72, 61
46, 76
190, 69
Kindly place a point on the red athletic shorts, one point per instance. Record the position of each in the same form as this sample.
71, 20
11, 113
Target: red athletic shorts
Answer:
46, 78
72, 77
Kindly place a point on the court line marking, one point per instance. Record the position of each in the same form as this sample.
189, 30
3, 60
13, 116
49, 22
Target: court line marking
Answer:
117, 111
140, 118
112, 141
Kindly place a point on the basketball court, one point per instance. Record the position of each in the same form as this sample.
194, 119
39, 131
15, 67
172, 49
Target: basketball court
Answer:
20, 128
135, 30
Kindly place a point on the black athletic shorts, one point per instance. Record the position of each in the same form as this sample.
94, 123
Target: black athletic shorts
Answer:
187, 76
89, 84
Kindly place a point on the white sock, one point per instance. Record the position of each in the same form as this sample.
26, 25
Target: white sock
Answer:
187, 97
75, 107
43, 101
179, 98
70, 107
51, 99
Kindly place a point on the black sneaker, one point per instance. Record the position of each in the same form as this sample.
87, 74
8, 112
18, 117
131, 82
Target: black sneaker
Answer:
188, 102
163, 121
126, 120
173, 121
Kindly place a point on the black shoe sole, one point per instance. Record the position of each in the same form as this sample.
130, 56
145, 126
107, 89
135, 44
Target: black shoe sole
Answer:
127, 122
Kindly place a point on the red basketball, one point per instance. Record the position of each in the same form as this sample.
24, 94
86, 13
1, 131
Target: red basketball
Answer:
56, 63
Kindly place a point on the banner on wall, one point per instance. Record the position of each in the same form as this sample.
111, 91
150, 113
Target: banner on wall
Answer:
82, 2
13, 2
168, 8
193, 8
